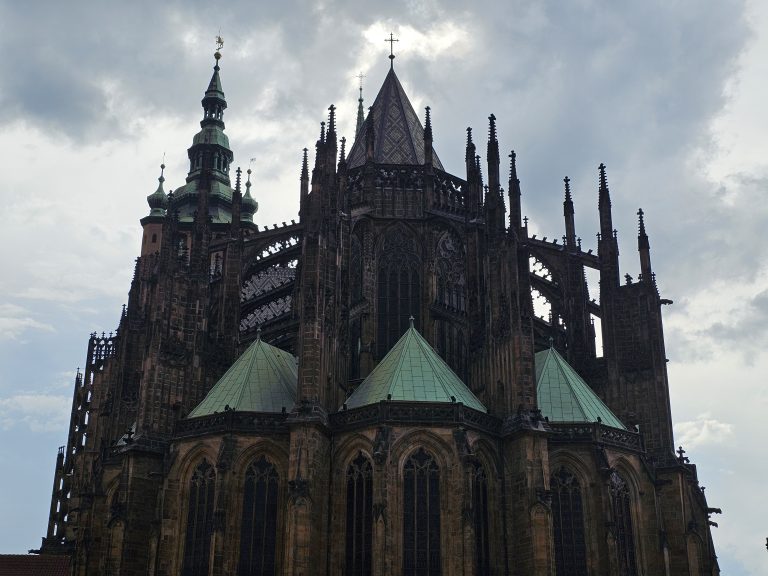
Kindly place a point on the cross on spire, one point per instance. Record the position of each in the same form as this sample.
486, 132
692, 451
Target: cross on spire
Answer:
360, 77
391, 41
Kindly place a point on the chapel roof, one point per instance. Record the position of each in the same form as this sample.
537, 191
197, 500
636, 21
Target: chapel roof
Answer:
399, 135
563, 395
413, 371
262, 379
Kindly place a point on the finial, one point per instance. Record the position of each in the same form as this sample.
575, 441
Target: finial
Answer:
428, 123
342, 155
258, 334
322, 132
603, 179
512, 165
469, 136
219, 46
238, 174
641, 223
391, 41
478, 167
492, 128
411, 319
248, 181
331, 119
567, 189
551, 342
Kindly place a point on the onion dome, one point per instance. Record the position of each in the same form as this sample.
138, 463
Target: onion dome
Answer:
249, 205
158, 201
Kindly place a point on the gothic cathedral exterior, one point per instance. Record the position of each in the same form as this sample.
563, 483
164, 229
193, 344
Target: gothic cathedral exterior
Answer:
368, 391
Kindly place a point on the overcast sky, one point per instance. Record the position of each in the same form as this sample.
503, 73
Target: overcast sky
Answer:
670, 95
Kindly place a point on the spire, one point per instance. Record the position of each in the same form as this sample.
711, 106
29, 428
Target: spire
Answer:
570, 226
644, 248
158, 201
304, 174
342, 153
237, 205
360, 111
470, 154
607, 247
493, 157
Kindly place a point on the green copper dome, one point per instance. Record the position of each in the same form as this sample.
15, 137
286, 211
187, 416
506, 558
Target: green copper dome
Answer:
262, 379
564, 396
413, 371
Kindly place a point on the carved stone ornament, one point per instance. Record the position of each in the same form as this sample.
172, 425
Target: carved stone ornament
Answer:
381, 444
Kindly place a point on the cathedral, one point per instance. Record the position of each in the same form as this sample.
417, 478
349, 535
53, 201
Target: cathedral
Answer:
371, 390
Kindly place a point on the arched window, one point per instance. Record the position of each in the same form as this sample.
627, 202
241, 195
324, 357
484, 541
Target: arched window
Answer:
568, 524
197, 544
399, 288
622, 522
421, 515
258, 533
482, 526
359, 517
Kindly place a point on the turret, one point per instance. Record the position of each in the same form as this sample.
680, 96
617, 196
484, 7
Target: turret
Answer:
152, 224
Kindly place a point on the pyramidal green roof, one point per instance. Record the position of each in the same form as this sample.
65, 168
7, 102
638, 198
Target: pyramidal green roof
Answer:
413, 371
262, 379
564, 396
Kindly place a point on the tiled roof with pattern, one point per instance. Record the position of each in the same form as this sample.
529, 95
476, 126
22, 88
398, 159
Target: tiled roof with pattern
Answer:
397, 129
564, 396
262, 379
33, 565
413, 371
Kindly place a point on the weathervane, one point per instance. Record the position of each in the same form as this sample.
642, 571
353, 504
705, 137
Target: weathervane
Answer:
391, 41
219, 46
360, 77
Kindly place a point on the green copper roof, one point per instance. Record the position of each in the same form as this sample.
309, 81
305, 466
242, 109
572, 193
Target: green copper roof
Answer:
413, 371
263, 379
564, 396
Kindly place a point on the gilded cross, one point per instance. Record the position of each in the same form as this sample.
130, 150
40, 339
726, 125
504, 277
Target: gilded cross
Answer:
391, 41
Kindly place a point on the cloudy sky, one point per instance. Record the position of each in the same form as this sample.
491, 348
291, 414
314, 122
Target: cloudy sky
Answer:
670, 95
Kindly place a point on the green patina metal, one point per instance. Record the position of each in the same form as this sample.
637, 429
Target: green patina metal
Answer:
262, 379
564, 396
413, 371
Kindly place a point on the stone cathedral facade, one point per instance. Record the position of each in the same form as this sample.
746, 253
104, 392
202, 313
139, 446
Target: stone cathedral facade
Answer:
368, 390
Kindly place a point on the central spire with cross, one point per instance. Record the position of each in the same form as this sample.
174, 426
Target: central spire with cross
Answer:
391, 41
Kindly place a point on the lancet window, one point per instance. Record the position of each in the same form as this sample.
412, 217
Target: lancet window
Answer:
482, 526
421, 515
568, 524
622, 522
359, 533
258, 532
197, 542
399, 288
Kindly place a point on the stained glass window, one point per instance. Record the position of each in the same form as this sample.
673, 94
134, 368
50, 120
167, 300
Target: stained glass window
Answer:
622, 521
568, 524
197, 543
359, 535
421, 516
482, 527
258, 532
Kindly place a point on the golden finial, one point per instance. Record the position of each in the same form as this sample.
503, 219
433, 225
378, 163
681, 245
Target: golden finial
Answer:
219, 46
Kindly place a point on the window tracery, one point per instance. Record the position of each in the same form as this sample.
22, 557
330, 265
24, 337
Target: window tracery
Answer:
399, 288
197, 543
568, 524
421, 515
482, 527
622, 522
359, 532
258, 531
